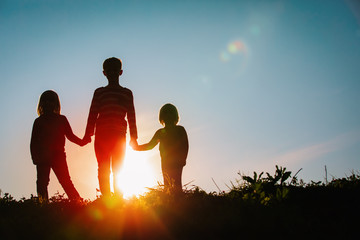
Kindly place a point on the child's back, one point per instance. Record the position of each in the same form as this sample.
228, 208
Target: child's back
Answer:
173, 146
50, 130
109, 107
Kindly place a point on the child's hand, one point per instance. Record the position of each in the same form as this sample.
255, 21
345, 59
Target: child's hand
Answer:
134, 144
85, 140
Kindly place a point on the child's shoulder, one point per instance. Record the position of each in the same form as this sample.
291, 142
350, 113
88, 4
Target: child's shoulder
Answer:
45, 118
99, 89
160, 132
174, 130
126, 90
181, 130
179, 127
62, 116
112, 89
62, 119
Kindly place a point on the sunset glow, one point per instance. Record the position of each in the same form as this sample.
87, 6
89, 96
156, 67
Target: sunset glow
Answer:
136, 174
256, 84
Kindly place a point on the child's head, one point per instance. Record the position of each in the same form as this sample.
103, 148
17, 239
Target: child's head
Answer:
168, 115
112, 67
49, 103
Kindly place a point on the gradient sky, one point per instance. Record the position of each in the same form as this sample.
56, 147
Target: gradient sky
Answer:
256, 83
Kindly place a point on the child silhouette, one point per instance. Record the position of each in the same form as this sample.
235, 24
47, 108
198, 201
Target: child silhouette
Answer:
109, 106
47, 146
173, 148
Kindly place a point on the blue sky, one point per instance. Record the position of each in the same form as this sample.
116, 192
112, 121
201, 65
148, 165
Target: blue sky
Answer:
256, 83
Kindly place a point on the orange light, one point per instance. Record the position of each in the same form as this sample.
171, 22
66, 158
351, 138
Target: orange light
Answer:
136, 174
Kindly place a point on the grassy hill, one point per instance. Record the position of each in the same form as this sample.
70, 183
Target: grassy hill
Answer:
277, 206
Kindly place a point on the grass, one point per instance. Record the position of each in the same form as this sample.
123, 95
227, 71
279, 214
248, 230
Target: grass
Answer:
255, 206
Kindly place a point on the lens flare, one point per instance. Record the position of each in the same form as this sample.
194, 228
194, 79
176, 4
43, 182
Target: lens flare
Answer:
236, 47
236, 51
236, 55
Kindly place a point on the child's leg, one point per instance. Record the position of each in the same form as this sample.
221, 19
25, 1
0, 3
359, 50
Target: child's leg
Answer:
176, 175
118, 154
103, 158
61, 171
42, 182
104, 174
172, 178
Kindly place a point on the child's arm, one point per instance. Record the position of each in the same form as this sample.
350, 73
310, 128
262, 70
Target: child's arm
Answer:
184, 143
34, 143
130, 115
150, 145
93, 114
71, 136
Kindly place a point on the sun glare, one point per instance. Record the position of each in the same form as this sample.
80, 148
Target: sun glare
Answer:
136, 174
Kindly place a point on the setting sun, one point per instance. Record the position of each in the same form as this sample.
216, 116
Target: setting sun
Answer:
136, 174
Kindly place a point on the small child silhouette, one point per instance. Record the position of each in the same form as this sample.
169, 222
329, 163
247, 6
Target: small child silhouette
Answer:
173, 148
109, 107
47, 146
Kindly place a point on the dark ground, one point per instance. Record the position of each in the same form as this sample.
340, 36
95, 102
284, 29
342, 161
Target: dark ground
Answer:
254, 210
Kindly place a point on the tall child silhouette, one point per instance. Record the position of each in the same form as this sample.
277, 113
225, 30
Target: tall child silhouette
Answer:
109, 107
47, 146
173, 148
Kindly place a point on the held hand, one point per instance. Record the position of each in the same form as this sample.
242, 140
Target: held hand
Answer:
134, 144
86, 140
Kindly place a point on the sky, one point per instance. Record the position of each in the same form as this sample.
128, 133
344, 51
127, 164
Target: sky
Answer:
256, 84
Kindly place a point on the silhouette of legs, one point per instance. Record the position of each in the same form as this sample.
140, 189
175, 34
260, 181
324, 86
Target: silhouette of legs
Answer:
103, 159
109, 150
117, 160
172, 177
42, 182
61, 171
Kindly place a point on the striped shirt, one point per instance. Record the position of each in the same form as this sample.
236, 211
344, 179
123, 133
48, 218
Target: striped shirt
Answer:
108, 109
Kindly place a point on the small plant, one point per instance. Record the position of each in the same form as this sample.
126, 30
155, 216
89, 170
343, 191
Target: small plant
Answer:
58, 198
280, 175
255, 179
7, 198
258, 189
295, 181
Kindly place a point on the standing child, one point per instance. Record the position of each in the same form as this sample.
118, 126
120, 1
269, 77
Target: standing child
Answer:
47, 146
109, 107
173, 148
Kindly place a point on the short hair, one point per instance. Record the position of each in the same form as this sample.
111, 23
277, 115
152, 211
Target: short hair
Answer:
49, 103
112, 64
168, 114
